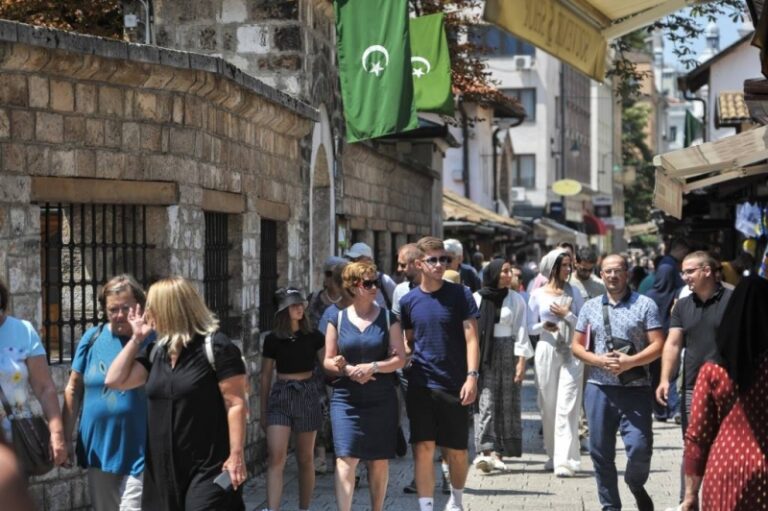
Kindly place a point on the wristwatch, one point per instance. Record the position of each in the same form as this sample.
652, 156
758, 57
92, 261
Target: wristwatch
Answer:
473, 374
375, 367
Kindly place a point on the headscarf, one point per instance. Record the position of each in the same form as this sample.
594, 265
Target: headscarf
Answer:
548, 262
490, 307
742, 338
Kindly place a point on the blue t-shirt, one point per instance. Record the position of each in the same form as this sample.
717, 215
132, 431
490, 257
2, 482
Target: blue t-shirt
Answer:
439, 347
18, 342
113, 424
332, 311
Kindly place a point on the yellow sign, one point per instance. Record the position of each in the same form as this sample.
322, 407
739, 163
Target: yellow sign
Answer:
566, 187
668, 195
555, 29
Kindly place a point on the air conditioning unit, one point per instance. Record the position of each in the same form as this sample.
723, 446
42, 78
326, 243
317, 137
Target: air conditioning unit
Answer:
523, 62
517, 194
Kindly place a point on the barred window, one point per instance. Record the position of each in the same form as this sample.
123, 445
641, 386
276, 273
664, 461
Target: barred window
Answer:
83, 245
216, 275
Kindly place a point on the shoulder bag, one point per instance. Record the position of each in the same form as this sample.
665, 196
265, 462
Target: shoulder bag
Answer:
622, 346
31, 441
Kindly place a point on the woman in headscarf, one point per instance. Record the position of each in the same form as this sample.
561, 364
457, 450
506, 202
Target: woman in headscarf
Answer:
504, 343
553, 310
727, 438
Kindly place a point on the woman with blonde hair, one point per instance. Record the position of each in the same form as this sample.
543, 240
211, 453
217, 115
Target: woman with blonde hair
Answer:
363, 347
195, 384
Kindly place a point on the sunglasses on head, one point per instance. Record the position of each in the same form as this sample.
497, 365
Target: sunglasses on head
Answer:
368, 284
444, 260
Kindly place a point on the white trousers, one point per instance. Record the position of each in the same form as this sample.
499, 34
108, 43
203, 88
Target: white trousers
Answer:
558, 379
114, 492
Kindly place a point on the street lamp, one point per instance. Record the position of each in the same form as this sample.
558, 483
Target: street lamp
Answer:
575, 149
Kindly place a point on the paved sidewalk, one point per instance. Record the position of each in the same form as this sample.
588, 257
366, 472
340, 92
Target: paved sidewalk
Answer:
524, 487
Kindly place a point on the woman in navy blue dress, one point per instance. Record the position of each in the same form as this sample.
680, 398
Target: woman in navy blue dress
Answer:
364, 348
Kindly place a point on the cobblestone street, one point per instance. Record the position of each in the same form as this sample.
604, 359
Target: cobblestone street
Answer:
525, 486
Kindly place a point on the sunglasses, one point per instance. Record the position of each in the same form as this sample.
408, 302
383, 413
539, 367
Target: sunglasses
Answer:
369, 284
444, 260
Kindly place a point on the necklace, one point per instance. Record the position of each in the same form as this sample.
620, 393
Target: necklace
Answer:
337, 300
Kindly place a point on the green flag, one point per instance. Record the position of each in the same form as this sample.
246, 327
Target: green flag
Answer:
694, 129
431, 64
375, 67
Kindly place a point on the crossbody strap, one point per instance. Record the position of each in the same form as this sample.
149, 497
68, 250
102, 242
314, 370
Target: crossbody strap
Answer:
607, 327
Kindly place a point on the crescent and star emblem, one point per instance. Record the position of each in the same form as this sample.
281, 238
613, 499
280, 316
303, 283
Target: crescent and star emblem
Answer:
418, 72
376, 68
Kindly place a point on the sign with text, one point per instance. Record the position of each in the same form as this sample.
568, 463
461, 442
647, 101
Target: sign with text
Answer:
555, 29
668, 195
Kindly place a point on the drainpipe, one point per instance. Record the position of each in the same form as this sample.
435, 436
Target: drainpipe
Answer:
494, 144
465, 148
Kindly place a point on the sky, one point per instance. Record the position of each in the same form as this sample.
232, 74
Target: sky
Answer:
728, 35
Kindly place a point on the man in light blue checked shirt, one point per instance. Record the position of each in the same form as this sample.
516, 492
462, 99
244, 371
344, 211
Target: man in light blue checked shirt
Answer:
612, 405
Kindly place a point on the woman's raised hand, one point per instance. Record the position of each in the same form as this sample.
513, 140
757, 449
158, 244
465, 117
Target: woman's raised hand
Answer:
137, 319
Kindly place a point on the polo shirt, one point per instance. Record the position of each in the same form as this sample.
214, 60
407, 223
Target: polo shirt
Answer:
631, 319
699, 322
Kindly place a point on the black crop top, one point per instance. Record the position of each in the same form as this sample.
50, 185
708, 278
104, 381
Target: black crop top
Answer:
297, 354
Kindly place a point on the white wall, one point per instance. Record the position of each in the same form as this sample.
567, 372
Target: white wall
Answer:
533, 137
602, 104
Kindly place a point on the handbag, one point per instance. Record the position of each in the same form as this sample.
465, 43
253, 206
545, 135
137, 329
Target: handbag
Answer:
31, 441
622, 346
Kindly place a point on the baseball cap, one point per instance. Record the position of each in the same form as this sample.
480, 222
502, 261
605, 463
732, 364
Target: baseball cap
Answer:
359, 250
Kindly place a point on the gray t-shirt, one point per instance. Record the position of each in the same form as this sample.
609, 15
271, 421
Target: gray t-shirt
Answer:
589, 288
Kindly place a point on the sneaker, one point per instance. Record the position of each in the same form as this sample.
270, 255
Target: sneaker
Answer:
484, 463
644, 501
451, 506
678, 418
321, 466
410, 487
563, 471
497, 464
446, 489
549, 464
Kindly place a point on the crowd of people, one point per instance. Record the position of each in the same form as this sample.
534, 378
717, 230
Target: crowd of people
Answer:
155, 406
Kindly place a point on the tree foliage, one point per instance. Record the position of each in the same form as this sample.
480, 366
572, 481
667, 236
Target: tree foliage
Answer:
95, 17
682, 29
638, 197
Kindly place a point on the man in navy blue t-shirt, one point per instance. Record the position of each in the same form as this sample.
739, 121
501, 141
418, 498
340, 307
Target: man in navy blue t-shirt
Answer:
440, 323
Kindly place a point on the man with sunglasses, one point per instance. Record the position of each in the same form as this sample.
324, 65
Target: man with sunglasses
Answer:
584, 278
440, 323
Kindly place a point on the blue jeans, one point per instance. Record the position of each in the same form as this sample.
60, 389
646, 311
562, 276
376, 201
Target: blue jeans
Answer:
612, 408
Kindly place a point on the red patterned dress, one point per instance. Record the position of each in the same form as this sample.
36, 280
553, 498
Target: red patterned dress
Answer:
727, 440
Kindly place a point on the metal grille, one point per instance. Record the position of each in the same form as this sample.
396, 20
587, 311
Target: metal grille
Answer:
83, 245
269, 275
393, 253
216, 269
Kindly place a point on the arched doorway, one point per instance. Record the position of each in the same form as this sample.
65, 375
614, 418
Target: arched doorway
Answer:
321, 200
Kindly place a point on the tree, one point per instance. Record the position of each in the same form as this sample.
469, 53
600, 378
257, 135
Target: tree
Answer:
638, 197
95, 17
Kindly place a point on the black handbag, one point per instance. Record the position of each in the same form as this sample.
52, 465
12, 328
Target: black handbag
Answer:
622, 346
31, 441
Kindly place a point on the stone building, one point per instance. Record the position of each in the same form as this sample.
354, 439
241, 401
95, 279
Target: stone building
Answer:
117, 157
384, 192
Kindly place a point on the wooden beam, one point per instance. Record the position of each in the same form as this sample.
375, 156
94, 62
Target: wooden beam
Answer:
103, 191
357, 223
273, 210
223, 202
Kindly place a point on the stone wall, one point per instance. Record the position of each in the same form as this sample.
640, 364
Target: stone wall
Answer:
117, 123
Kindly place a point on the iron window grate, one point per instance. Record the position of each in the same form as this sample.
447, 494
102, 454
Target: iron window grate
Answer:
269, 274
83, 245
216, 275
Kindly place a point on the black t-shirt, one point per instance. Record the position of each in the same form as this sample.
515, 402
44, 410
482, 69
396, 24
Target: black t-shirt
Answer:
296, 354
699, 322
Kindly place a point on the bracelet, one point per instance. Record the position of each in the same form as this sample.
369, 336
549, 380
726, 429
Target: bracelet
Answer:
473, 374
375, 367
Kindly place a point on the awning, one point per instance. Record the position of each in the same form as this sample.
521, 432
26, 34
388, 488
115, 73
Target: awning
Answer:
460, 212
594, 226
555, 232
682, 171
634, 230
577, 31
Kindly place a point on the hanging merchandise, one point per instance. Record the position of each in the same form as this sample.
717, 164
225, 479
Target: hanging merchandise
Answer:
763, 270
749, 220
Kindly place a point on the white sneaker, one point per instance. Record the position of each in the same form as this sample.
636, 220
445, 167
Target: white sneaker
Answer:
564, 471
483, 463
451, 506
549, 464
497, 464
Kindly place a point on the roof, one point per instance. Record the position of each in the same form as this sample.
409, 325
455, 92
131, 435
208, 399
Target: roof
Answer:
491, 96
732, 110
699, 76
460, 209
